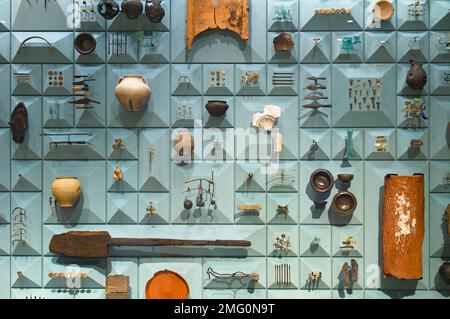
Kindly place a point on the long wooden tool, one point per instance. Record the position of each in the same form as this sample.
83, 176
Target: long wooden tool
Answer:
94, 244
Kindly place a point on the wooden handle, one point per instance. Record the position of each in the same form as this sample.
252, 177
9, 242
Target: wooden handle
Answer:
176, 242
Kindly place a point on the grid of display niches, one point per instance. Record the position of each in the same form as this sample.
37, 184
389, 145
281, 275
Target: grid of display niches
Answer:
181, 85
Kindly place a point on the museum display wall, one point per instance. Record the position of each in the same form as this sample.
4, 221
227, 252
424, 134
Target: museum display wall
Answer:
224, 149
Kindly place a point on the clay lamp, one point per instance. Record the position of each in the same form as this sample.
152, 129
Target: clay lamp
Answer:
322, 181
344, 203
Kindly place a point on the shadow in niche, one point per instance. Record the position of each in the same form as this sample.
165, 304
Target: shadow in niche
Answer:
447, 134
223, 252
316, 212
245, 283
341, 289
393, 287
207, 38
69, 214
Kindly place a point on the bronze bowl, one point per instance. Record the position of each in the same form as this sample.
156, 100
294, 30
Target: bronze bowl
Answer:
345, 178
344, 203
85, 43
321, 180
216, 108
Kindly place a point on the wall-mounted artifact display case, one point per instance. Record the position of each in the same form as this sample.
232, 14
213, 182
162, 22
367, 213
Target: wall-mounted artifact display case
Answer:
224, 149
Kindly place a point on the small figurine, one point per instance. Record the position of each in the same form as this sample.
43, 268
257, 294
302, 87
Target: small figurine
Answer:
117, 174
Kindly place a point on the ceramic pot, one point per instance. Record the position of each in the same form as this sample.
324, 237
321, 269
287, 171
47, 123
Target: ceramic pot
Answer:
444, 272
154, 11
283, 42
66, 191
383, 10
108, 9
217, 108
321, 180
187, 204
19, 123
132, 8
85, 43
344, 203
184, 143
417, 77
133, 92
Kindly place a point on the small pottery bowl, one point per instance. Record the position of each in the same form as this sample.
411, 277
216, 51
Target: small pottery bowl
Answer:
344, 203
216, 108
85, 43
444, 272
321, 180
345, 178
383, 10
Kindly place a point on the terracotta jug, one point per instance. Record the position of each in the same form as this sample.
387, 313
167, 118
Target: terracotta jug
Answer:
108, 9
132, 8
66, 191
417, 77
133, 92
154, 11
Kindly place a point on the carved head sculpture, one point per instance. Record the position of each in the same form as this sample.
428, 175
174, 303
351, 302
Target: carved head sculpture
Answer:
19, 123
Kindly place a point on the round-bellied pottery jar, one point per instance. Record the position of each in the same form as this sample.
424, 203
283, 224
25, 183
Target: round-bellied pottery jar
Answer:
444, 272
154, 10
66, 191
283, 42
85, 43
217, 108
133, 92
417, 77
344, 203
132, 8
108, 9
321, 180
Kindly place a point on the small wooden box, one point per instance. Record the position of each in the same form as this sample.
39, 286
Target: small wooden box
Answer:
117, 287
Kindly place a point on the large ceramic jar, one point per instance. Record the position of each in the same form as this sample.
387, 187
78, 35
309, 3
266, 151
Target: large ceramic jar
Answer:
154, 11
108, 9
132, 8
66, 191
133, 92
